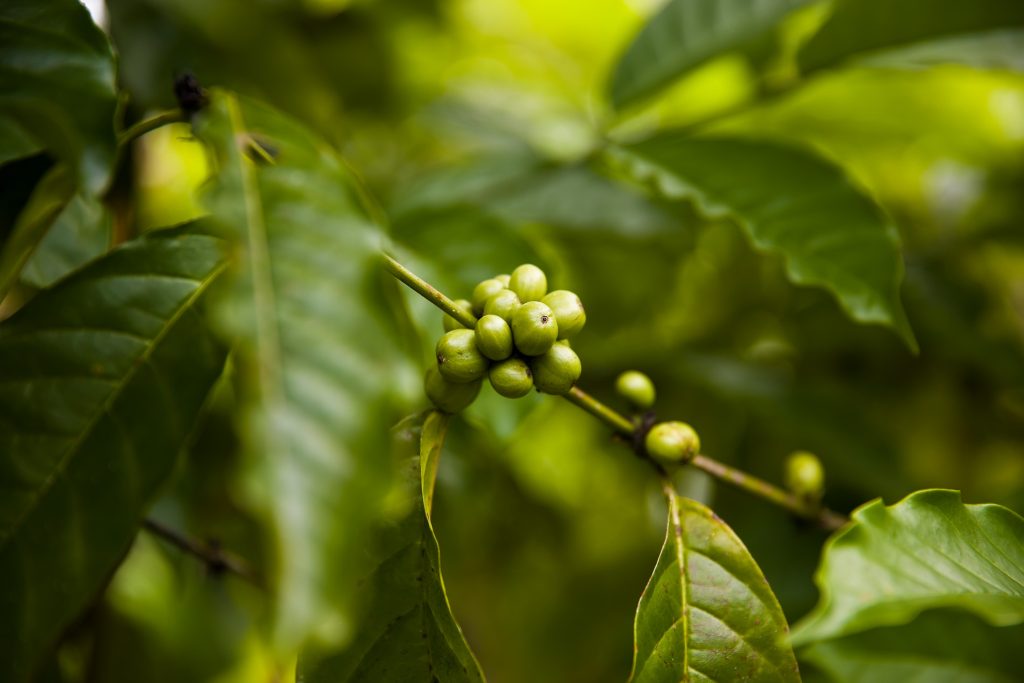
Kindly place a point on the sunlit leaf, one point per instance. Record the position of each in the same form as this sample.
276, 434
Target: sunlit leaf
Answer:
707, 613
866, 25
792, 203
942, 646
57, 86
409, 633
927, 551
318, 363
101, 380
687, 33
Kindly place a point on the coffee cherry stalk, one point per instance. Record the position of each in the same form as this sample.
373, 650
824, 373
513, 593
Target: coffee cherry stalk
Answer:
519, 343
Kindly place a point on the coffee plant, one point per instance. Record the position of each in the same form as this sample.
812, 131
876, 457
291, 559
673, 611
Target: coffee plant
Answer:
780, 242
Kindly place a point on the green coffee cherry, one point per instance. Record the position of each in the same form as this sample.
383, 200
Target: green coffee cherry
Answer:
494, 337
557, 370
503, 304
504, 278
451, 323
534, 328
484, 291
511, 378
568, 311
637, 388
529, 283
805, 476
458, 358
672, 443
449, 396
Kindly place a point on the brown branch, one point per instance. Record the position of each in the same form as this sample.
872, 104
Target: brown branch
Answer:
217, 560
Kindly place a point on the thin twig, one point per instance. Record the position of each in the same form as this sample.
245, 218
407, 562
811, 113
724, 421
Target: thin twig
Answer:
144, 126
623, 426
217, 560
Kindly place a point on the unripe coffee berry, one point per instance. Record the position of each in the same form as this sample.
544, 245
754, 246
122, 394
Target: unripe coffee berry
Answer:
672, 443
805, 476
511, 378
458, 357
494, 337
504, 304
534, 328
504, 278
637, 388
449, 396
568, 310
528, 282
557, 370
484, 291
451, 323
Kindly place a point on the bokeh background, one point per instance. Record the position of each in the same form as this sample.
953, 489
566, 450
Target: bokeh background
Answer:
474, 124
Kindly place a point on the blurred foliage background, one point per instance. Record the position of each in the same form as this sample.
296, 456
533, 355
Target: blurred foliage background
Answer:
473, 123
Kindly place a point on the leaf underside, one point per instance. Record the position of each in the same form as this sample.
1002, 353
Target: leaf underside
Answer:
792, 203
707, 613
927, 551
101, 381
318, 363
408, 632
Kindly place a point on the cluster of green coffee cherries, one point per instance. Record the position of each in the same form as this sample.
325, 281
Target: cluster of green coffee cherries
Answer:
520, 342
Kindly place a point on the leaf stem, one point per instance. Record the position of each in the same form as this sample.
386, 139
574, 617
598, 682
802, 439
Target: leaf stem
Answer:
217, 560
825, 518
428, 291
144, 126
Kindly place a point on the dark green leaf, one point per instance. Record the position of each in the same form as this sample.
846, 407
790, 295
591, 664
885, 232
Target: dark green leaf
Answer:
318, 362
941, 646
791, 203
101, 380
707, 613
48, 200
866, 25
927, 551
57, 85
80, 233
409, 633
687, 33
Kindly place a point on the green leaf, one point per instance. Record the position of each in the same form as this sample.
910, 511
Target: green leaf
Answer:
941, 646
927, 551
866, 25
707, 613
792, 203
80, 233
102, 379
319, 364
687, 33
996, 50
57, 84
48, 200
409, 633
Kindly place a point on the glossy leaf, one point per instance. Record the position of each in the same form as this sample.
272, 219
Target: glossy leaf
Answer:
942, 646
927, 551
707, 613
101, 380
80, 233
792, 203
409, 633
48, 200
859, 26
57, 86
687, 33
318, 364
